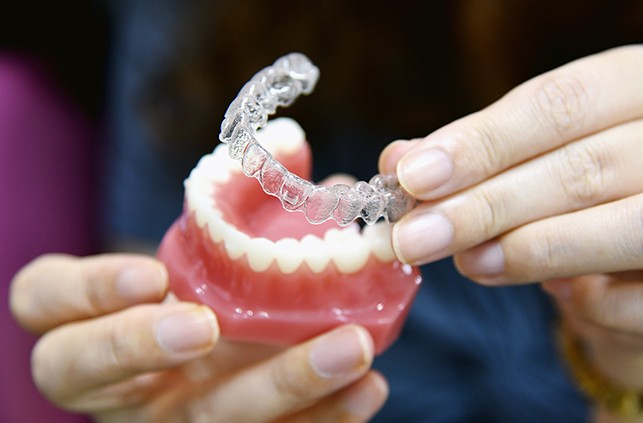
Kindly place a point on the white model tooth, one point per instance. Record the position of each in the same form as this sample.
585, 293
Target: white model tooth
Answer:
199, 200
220, 152
201, 207
353, 227
349, 250
217, 167
210, 168
236, 242
316, 253
216, 226
289, 255
260, 253
378, 236
221, 170
282, 135
191, 197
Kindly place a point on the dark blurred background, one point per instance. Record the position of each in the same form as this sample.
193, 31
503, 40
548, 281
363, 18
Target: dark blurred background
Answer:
144, 84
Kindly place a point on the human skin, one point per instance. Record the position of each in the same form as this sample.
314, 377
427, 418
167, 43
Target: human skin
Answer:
114, 345
546, 183
605, 312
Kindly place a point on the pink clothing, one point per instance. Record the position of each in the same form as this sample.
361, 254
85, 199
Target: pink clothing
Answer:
45, 206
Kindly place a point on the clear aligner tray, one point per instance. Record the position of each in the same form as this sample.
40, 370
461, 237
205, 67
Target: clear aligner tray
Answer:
280, 85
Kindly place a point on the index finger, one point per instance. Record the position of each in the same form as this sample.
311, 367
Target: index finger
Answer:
550, 110
56, 289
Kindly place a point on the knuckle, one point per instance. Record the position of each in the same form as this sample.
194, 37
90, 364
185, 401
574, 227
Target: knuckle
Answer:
292, 383
118, 350
622, 251
492, 154
563, 100
545, 254
582, 174
491, 216
95, 297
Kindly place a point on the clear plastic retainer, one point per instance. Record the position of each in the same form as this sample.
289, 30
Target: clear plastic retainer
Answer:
280, 85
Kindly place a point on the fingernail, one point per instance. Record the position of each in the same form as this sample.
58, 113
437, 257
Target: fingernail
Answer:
367, 397
138, 283
422, 238
484, 261
190, 328
343, 351
423, 171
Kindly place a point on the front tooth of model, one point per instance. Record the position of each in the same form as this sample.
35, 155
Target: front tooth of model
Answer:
201, 207
378, 236
216, 167
223, 167
216, 226
349, 250
198, 192
289, 255
236, 242
260, 253
316, 252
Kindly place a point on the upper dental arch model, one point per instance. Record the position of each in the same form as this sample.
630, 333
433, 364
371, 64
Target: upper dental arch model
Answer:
280, 85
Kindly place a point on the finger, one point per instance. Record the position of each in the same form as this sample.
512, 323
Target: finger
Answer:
611, 302
357, 403
56, 289
71, 361
392, 154
604, 312
293, 379
602, 239
548, 111
597, 169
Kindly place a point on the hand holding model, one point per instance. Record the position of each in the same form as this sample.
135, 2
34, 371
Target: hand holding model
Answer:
116, 347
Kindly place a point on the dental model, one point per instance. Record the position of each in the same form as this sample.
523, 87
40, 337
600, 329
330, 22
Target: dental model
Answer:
280, 85
270, 275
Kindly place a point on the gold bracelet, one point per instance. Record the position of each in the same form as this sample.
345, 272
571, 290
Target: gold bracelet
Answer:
622, 402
